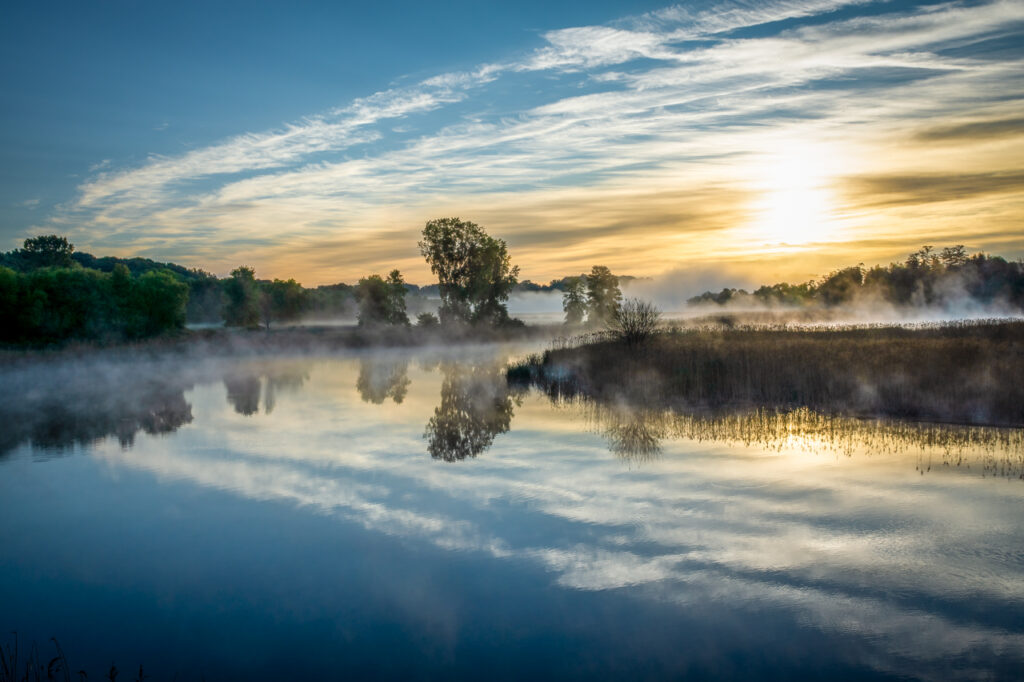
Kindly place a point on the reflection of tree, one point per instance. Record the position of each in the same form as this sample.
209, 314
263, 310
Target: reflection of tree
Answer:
635, 435
243, 392
379, 380
244, 386
475, 407
61, 415
282, 380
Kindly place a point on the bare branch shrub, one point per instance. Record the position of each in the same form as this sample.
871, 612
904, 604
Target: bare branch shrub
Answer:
635, 321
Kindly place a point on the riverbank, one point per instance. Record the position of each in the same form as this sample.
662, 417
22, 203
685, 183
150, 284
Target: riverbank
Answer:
962, 372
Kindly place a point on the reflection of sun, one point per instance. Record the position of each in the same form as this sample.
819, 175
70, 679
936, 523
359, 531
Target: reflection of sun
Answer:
794, 201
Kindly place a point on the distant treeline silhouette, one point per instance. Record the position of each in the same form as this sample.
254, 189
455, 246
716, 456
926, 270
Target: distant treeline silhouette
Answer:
927, 277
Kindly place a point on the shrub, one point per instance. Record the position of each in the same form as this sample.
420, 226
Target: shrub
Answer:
634, 321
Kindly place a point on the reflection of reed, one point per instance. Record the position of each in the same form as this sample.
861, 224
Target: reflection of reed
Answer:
637, 434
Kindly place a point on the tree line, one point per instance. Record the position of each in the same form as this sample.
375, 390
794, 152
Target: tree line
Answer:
49, 293
927, 277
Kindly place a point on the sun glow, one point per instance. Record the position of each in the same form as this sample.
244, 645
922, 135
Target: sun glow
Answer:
794, 204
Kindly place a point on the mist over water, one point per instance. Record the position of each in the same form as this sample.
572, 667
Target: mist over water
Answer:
401, 512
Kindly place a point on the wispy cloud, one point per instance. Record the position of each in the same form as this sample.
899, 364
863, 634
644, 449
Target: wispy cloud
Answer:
688, 103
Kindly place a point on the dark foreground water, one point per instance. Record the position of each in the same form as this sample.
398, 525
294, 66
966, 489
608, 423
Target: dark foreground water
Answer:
402, 515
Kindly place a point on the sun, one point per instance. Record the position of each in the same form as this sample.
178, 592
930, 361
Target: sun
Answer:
793, 203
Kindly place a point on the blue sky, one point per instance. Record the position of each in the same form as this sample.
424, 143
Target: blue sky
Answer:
315, 139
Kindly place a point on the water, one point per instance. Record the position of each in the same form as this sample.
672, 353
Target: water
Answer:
402, 515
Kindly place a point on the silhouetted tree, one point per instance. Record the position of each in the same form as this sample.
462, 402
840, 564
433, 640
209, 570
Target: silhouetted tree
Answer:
574, 300
427, 320
603, 295
282, 301
841, 286
48, 251
635, 321
475, 273
382, 301
243, 299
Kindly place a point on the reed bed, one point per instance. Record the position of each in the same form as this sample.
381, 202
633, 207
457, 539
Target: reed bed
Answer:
965, 372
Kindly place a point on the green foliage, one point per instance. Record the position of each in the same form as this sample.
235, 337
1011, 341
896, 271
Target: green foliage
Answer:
159, 301
382, 301
242, 307
475, 273
574, 300
48, 305
282, 301
332, 300
47, 251
603, 295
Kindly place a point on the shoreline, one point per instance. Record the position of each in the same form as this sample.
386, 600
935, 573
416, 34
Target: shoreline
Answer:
965, 373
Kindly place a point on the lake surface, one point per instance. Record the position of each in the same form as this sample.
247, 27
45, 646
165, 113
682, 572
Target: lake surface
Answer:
401, 514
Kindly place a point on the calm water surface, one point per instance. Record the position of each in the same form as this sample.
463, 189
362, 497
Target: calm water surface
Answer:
401, 514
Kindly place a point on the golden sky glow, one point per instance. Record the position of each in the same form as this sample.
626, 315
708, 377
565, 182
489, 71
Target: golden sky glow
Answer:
776, 143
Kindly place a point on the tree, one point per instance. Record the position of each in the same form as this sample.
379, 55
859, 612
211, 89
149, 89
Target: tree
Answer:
574, 300
635, 321
382, 301
603, 295
841, 286
243, 305
474, 271
427, 320
159, 300
282, 301
48, 251
953, 256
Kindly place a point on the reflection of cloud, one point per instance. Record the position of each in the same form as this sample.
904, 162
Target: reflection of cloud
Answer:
680, 103
826, 537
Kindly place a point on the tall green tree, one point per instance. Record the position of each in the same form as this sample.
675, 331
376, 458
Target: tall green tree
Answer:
474, 271
382, 301
603, 295
242, 308
574, 300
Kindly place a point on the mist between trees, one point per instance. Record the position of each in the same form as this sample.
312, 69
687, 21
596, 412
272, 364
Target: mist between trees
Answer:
49, 293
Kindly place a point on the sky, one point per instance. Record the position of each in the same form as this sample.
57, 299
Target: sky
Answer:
752, 141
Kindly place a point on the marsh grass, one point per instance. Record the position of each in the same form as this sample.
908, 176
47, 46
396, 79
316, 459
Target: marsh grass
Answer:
34, 666
964, 372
